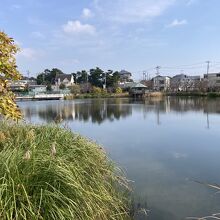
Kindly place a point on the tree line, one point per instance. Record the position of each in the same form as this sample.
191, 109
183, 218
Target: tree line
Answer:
95, 77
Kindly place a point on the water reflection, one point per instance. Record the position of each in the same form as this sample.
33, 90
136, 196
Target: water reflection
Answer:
98, 111
162, 143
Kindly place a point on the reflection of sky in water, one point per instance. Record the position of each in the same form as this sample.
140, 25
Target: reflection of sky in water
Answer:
162, 144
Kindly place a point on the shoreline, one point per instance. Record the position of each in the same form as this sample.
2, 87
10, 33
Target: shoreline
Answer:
127, 95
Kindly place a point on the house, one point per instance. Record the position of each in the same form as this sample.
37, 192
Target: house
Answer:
125, 76
21, 85
182, 82
38, 88
126, 85
17, 86
161, 83
213, 80
65, 79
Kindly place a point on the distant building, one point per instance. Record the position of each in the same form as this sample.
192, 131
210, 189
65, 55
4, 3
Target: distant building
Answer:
17, 86
161, 83
182, 82
213, 80
66, 79
126, 85
38, 88
148, 83
21, 85
125, 76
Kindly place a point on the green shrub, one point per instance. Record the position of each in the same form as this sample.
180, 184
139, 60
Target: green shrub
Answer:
104, 92
118, 90
74, 89
213, 95
96, 90
62, 86
50, 173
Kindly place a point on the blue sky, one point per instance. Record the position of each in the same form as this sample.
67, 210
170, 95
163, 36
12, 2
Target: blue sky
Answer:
136, 35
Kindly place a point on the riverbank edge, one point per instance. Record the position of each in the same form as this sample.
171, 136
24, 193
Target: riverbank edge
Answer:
102, 187
150, 94
195, 94
95, 96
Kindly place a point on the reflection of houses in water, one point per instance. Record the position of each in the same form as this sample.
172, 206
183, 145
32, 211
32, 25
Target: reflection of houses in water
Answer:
99, 110
163, 105
104, 109
96, 111
213, 106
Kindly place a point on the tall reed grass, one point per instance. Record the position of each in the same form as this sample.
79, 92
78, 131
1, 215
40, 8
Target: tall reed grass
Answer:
49, 173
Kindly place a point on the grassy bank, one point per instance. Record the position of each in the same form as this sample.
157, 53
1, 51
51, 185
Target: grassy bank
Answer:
198, 94
50, 173
93, 95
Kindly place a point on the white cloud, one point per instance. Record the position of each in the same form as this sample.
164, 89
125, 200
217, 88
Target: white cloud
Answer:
87, 13
29, 53
127, 11
176, 23
76, 27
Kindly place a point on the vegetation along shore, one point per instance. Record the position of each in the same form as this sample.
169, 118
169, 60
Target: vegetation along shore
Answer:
50, 173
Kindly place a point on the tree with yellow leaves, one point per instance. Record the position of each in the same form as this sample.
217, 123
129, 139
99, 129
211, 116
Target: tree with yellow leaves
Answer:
8, 71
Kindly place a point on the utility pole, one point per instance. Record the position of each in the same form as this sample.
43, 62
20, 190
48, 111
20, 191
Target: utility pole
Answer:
87, 85
208, 66
28, 73
104, 84
157, 69
144, 75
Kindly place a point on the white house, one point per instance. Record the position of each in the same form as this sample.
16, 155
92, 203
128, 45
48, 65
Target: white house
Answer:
161, 83
66, 79
38, 88
183, 82
213, 80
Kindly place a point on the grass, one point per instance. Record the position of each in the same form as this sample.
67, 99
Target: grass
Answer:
213, 95
49, 173
101, 95
199, 94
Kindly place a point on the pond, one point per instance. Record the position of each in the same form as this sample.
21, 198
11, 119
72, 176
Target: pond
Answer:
163, 144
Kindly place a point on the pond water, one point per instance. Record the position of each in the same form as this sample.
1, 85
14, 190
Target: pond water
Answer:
163, 144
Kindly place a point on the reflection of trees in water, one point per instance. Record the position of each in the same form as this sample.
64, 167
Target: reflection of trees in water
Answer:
161, 105
182, 104
101, 110
98, 111
212, 106
95, 110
